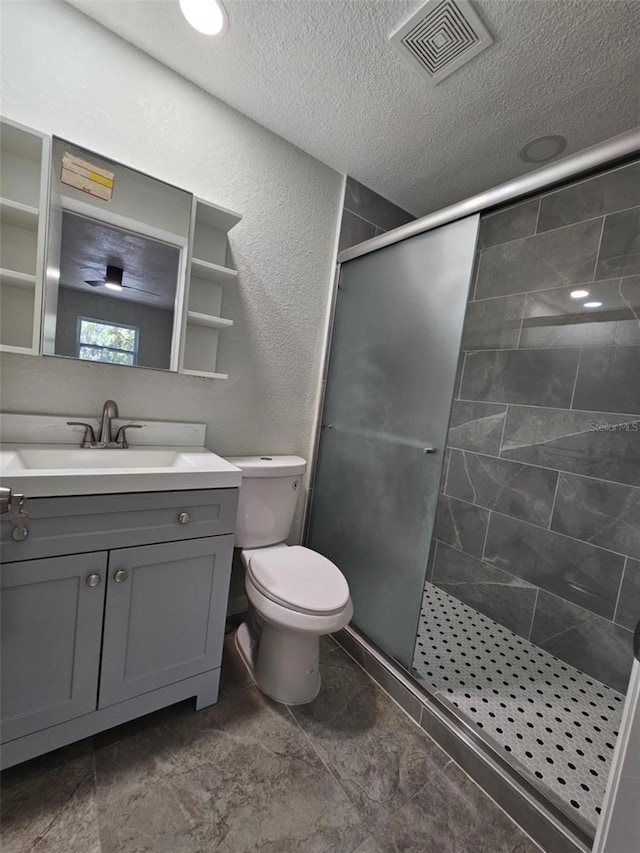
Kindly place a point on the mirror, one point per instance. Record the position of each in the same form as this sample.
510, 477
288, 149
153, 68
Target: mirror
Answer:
116, 262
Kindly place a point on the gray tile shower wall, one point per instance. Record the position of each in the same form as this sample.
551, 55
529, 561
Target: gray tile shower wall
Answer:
367, 214
538, 524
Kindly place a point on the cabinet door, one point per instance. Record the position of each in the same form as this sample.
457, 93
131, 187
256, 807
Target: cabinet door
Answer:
50, 640
165, 615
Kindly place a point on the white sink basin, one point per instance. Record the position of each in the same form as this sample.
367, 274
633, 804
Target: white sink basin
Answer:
39, 470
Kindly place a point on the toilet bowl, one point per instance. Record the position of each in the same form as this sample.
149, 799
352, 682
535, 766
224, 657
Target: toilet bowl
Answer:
295, 594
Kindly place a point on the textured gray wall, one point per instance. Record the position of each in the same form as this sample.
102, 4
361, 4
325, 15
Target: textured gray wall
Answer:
538, 525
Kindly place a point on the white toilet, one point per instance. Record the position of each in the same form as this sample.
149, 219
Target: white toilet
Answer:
295, 595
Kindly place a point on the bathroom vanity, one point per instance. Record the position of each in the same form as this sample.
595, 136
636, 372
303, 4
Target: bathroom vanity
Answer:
114, 604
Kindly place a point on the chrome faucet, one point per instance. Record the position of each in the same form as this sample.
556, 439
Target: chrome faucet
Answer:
106, 439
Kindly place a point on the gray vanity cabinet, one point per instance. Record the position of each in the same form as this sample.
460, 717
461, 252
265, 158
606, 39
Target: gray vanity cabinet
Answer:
113, 606
163, 604
51, 634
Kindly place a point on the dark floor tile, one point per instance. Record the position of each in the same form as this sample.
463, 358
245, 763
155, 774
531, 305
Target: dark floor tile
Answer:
476, 426
510, 224
239, 776
579, 572
379, 756
522, 491
578, 442
553, 259
369, 845
590, 643
614, 190
460, 525
620, 247
351, 646
493, 323
599, 512
500, 596
553, 318
374, 207
608, 380
452, 815
354, 230
527, 377
391, 685
49, 804
628, 610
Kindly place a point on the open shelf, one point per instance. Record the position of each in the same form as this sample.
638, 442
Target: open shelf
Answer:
13, 278
208, 320
205, 374
18, 214
214, 216
213, 272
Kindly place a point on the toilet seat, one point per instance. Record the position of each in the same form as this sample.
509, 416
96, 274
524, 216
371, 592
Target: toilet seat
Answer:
299, 579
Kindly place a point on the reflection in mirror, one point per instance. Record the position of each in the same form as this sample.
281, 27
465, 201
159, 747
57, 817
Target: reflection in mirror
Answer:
116, 262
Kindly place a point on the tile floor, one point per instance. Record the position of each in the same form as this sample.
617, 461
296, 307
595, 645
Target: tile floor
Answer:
559, 724
349, 773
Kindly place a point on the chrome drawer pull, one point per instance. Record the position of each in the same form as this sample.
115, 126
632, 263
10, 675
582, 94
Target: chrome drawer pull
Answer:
93, 580
184, 518
120, 576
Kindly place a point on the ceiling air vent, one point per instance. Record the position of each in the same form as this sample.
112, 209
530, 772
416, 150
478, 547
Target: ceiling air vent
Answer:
441, 37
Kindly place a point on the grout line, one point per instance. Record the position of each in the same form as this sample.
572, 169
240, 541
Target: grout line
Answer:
464, 364
631, 416
595, 266
364, 219
504, 426
486, 536
617, 604
573, 286
532, 525
575, 380
553, 503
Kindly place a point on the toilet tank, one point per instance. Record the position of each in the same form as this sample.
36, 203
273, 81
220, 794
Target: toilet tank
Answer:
268, 498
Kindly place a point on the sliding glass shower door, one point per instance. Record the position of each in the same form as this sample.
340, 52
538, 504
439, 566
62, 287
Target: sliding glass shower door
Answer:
392, 370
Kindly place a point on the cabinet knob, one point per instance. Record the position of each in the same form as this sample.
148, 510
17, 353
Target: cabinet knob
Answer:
184, 518
120, 576
93, 580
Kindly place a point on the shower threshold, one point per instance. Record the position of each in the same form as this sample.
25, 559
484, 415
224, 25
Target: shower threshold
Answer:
547, 717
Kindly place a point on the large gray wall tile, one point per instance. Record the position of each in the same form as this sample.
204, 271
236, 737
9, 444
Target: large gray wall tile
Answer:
594, 645
552, 318
476, 426
574, 442
608, 380
354, 230
373, 207
461, 525
628, 332
552, 259
596, 511
509, 224
615, 190
499, 595
578, 572
628, 610
527, 377
513, 488
493, 323
620, 248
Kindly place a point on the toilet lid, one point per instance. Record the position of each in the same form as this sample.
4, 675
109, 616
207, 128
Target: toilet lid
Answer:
299, 579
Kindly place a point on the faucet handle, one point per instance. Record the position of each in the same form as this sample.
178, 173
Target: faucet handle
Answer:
121, 438
89, 435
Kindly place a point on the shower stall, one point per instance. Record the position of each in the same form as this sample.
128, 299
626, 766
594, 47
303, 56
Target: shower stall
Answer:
478, 469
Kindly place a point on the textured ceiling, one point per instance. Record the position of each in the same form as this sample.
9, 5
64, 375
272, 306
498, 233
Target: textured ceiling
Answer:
322, 74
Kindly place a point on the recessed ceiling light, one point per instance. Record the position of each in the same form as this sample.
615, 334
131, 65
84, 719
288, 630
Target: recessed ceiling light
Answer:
542, 148
113, 285
579, 294
206, 16
592, 304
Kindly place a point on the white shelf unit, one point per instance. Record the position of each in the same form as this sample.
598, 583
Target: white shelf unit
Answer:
24, 187
208, 275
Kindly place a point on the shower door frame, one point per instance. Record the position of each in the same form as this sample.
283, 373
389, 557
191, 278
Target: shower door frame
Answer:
537, 813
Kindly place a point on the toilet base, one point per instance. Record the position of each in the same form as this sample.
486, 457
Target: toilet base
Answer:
284, 665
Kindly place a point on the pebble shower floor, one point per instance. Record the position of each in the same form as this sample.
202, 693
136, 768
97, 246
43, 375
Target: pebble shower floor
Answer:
554, 720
